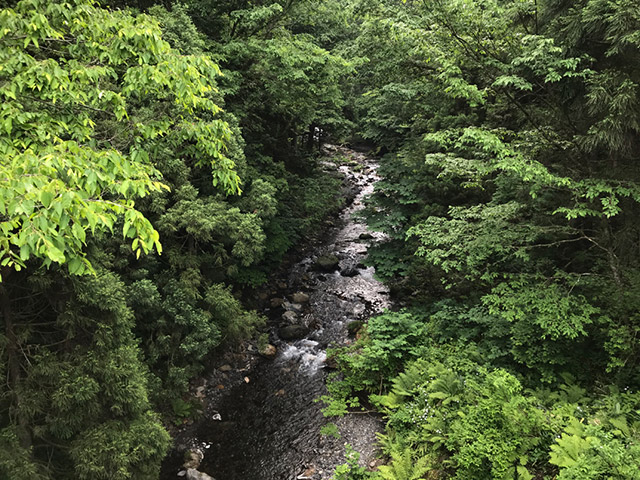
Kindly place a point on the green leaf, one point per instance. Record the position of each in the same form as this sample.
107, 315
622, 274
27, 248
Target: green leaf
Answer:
55, 254
46, 197
25, 252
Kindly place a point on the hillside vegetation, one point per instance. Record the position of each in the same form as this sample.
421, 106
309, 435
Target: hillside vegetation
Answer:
159, 159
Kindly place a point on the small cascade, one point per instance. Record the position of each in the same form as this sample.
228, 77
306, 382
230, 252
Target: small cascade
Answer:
306, 353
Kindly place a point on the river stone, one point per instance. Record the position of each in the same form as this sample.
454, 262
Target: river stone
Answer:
300, 297
276, 302
193, 474
293, 332
308, 474
349, 271
200, 393
290, 317
295, 307
269, 351
328, 263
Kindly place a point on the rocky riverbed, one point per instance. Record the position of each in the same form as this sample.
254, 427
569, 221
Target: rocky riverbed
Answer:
261, 418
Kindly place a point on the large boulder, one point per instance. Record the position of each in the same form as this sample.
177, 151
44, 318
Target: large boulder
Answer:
299, 297
193, 474
293, 332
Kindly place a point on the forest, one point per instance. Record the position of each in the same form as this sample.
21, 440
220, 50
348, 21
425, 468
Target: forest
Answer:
160, 159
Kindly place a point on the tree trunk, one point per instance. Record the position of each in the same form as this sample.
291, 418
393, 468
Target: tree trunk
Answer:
14, 367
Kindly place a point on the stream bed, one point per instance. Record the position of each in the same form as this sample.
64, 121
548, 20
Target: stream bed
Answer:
261, 419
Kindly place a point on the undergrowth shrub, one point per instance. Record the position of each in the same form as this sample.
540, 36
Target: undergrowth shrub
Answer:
452, 414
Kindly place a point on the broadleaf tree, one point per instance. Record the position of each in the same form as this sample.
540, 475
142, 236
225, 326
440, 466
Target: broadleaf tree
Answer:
80, 146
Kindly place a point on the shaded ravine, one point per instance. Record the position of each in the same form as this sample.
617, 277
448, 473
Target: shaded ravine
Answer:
262, 420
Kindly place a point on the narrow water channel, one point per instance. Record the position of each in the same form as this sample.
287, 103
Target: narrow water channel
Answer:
268, 425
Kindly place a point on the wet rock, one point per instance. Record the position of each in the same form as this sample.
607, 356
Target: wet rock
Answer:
290, 316
300, 297
276, 302
294, 307
269, 351
350, 271
358, 309
365, 236
349, 267
193, 474
327, 263
312, 322
293, 332
192, 459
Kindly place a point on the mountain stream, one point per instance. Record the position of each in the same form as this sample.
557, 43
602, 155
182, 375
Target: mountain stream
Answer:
261, 419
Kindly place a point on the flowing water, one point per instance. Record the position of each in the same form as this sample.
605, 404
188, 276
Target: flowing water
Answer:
267, 425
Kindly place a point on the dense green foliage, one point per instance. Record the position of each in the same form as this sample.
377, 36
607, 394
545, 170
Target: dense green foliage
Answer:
509, 197
125, 136
159, 159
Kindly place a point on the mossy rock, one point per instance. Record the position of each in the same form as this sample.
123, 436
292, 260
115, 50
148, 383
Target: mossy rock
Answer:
354, 327
293, 332
327, 263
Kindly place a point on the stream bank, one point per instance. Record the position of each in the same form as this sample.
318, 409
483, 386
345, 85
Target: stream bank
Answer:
261, 419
